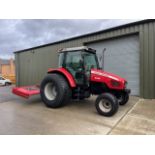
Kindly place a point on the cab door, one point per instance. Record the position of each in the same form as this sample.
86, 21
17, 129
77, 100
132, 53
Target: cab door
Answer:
74, 64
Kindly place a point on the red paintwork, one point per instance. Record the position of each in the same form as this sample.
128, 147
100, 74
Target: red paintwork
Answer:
66, 74
26, 91
105, 77
96, 76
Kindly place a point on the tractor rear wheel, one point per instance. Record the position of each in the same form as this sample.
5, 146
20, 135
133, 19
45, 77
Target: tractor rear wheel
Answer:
106, 104
55, 91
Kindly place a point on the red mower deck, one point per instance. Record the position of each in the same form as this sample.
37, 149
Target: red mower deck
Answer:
26, 91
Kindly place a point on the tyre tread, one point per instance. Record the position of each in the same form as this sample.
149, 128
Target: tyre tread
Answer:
64, 94
114, 101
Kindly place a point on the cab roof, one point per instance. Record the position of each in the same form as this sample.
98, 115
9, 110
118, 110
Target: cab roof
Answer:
85, 48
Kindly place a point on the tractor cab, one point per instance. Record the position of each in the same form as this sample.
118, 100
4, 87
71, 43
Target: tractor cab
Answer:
79, 61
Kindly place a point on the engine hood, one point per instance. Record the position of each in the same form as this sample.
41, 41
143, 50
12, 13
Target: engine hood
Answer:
107, 74
106, 77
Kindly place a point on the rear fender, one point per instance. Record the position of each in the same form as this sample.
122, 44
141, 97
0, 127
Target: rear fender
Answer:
65, 74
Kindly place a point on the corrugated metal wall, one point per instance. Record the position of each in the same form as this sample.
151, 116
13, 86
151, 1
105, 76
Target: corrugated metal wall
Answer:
31, 66
147, 66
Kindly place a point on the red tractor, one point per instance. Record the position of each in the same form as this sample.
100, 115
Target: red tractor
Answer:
78, 77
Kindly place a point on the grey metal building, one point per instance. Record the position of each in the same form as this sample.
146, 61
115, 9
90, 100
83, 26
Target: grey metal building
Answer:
127, 50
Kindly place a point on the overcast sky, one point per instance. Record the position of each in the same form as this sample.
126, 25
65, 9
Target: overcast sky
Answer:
20, 34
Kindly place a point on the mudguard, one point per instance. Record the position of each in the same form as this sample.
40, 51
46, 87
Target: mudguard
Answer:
64, 73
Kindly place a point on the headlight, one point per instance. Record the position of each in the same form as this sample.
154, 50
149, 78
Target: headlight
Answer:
115, 83
125, 84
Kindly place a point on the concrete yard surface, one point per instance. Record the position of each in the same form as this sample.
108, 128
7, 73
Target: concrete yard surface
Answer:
140, 120
22, 116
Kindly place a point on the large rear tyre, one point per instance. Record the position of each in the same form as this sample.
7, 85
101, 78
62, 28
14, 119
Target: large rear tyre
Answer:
55, 91
106, 104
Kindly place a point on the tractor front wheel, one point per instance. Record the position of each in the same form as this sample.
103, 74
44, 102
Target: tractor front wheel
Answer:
106, 104
123, 98
55, 91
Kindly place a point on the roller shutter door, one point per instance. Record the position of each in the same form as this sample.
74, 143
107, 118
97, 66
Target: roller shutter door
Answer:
121, 56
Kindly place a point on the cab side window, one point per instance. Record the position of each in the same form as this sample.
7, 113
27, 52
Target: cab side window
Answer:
73, 62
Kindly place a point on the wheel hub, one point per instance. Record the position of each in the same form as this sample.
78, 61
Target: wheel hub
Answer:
50, 91
105, 105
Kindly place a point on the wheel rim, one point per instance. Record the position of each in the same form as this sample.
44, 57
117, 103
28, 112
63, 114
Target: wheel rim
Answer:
105, 105
50, 91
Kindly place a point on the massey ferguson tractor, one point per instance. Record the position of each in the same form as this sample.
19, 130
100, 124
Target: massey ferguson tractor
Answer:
78, 77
